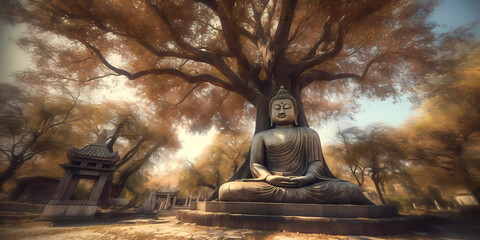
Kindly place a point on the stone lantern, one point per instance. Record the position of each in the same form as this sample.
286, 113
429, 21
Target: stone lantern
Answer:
93, 162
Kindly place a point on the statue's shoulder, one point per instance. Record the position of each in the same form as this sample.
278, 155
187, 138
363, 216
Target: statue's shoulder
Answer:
261, 134
267, 131
308, 130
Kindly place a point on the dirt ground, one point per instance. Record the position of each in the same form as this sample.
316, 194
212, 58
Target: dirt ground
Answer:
170, 228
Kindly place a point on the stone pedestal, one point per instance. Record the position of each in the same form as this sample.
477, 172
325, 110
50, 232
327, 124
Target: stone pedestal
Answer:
305, 218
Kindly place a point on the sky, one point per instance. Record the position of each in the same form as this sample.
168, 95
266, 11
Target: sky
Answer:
449, 14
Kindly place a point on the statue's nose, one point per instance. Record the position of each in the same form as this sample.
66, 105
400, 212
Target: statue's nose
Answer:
282, 110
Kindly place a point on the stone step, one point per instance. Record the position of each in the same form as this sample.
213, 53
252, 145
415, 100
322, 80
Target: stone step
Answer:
322, 225
7, 215
21, 207
297, 209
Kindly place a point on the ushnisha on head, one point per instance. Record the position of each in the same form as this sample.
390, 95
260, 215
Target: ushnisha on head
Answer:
283, 108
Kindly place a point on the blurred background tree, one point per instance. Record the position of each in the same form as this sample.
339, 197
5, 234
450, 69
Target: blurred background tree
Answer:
446, 133
217, 163
32, 124
37, 128
373, 152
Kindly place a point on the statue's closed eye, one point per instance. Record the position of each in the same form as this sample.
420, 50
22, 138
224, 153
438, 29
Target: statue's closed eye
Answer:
286, 106
277, 107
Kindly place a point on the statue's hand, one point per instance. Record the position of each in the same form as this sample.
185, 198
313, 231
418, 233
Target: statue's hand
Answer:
279, 181
302, 180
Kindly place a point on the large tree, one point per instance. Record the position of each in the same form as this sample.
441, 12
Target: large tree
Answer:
250, 48
247, 47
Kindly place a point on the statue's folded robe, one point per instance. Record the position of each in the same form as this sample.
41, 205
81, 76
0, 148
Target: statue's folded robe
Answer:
301, 153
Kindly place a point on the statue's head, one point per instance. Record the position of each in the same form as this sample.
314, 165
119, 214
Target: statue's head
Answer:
283, 108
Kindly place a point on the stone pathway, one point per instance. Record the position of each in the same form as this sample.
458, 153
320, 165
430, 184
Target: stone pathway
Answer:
170, 228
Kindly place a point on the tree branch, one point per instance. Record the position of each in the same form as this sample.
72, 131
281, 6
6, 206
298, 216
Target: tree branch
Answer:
67, 114
231, 31
337, 48
268, 24
186, 95
6, 154
280, 39
258, 24
98, 77
321, 75
201, 55
327, 29
149, 47
131, 152
116, 134
241, 89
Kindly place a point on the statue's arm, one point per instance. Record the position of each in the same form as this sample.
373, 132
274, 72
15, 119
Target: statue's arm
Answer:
316, 168
257, 158
314, 171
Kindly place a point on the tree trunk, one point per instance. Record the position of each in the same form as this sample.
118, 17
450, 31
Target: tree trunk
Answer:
218, 182
235, 167
382, 186
358, 180
7, 174
354, 173
117, 188
475, 189
2, 181
470, 184
377, 187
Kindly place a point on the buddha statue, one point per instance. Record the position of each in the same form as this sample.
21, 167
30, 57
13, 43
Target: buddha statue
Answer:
287, 165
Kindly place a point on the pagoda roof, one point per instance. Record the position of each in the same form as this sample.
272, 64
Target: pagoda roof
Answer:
96, 150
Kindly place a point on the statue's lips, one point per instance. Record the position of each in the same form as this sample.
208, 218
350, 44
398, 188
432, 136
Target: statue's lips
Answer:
282, 115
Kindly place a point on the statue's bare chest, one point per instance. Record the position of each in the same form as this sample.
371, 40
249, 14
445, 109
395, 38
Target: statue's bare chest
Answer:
276, 137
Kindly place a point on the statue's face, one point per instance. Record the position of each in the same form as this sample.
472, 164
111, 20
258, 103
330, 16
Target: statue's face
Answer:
283, 112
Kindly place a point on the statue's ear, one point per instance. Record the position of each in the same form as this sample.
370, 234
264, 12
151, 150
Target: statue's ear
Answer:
296, 117
270, 116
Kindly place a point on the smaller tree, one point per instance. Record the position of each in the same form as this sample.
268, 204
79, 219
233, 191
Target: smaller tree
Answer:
136, 136
373, 152
350, 156
30, 124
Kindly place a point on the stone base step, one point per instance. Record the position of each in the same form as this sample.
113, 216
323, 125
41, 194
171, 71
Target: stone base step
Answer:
16, 216
323, 225
21, 207
299, 209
